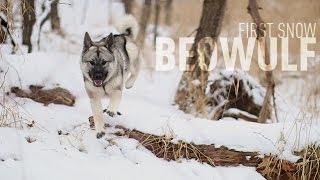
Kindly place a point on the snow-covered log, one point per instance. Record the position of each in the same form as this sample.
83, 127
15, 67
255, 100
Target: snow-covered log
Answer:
269, 166
235, 94
56, 95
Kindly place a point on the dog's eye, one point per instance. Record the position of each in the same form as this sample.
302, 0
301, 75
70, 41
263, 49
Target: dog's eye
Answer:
92, 63
104, 63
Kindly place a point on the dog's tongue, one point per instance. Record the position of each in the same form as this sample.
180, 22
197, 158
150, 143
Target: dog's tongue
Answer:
97, 82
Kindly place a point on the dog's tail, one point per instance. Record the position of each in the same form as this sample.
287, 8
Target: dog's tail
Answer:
128, 26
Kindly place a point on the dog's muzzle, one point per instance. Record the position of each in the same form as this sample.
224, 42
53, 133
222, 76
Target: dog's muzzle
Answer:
98, 79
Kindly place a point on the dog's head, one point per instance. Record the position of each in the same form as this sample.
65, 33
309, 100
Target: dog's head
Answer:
98, 62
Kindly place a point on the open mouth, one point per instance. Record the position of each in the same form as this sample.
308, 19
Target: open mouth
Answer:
97, 82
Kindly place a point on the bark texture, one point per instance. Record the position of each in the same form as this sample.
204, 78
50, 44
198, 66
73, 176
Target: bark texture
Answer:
145, 16
156, 21
168, 12
190, 97
127, 6
29, 19
253, 10
54, 16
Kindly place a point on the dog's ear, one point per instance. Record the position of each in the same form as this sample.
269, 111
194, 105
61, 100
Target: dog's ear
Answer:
110, 41
87, 42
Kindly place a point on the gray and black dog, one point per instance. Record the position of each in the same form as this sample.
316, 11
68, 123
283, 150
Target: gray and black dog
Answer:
107, 65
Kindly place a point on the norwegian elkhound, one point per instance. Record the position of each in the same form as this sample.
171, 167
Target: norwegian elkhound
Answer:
106, 66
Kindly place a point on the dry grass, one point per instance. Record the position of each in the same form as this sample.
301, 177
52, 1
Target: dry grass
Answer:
309, 164
9, 116
270, 166
10, 111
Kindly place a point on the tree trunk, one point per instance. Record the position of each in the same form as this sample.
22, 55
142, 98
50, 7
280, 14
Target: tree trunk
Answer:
110, 21
156, 21
190, 97
29, 18
253, 10
127, 6
168, 12
3, 34
54, 16
146, 11
41, 20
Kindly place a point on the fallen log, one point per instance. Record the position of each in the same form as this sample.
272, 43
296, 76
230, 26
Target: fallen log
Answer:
240, 115
56, 95
270, 166
162, 147
234, 90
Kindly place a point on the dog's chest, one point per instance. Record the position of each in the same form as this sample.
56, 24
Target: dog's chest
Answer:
94, 91
114, 84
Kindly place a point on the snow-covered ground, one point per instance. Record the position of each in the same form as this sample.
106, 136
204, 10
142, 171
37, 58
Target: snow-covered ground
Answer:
39, 152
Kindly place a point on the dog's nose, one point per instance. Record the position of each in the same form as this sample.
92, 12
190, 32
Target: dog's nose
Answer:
98, 76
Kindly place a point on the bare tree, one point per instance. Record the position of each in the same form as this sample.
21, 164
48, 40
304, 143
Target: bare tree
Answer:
29, 19
41, 19
190, 96
3, 34
168, 12
54, 16
253, 10
32, 24
127, 6
110, 12
156, 21
5, 31
7, 21
146, 11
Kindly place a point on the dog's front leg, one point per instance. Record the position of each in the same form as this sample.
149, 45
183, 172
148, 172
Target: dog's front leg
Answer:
115, 99
97, 116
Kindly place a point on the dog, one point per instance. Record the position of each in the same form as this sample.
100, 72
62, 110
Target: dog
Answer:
109, 64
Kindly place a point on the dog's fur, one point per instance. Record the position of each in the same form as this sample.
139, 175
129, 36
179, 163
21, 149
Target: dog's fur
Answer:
106, 65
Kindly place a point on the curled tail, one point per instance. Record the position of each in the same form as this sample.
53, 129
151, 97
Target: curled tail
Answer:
128, 26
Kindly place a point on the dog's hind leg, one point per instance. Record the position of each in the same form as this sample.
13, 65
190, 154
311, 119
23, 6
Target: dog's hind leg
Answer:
115, 99
134, 69
97, 116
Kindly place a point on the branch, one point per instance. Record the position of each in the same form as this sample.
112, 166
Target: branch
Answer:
253, 10
6, 26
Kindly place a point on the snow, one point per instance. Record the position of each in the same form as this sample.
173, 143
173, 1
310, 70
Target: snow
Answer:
147, 107
250, 85
50, 158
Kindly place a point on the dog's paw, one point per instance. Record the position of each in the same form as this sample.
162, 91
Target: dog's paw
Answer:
129, 84
130, 81
100, 134
106, 111
111, 114
91, 122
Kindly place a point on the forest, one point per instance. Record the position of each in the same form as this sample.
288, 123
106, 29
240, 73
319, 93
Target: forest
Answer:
159, 89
